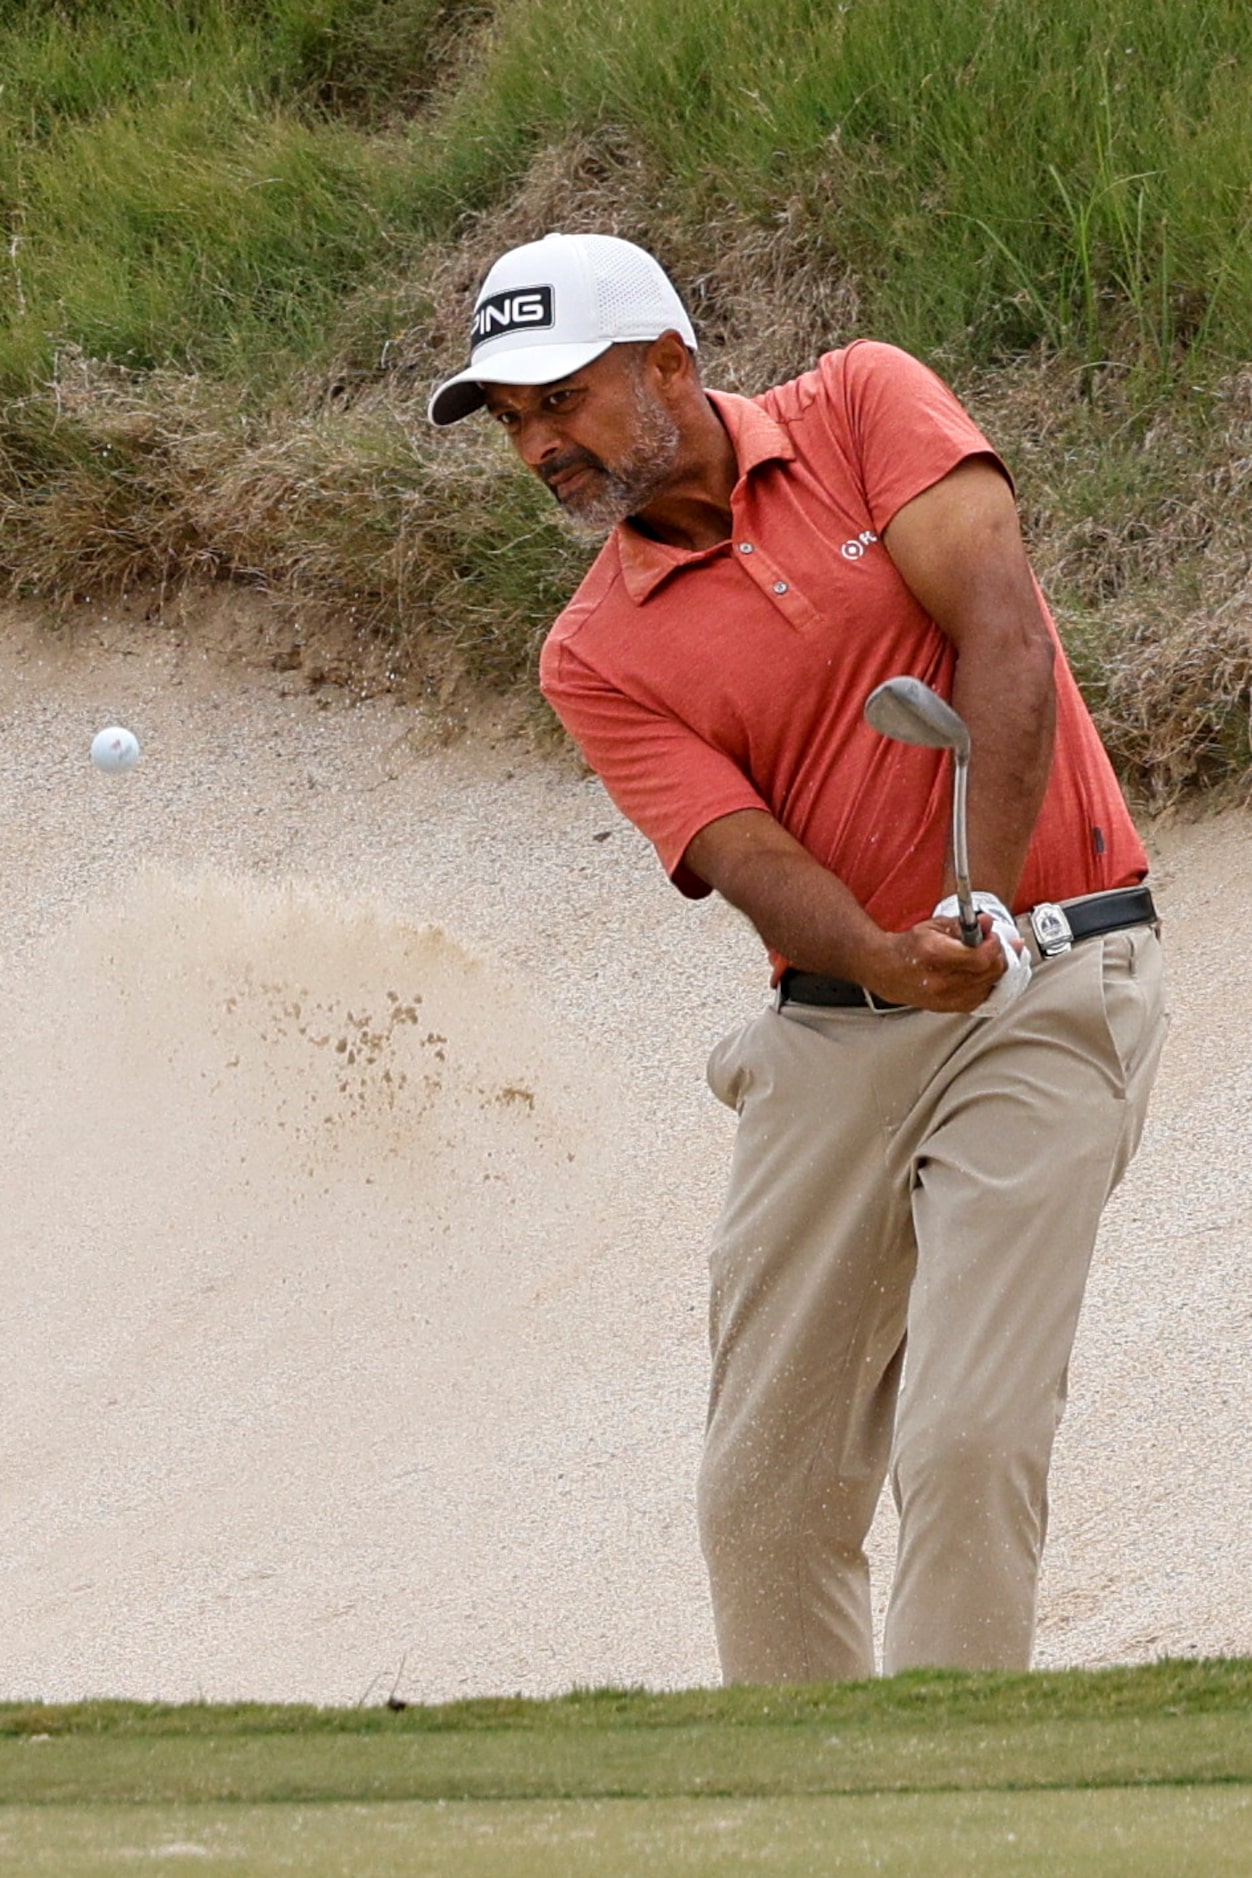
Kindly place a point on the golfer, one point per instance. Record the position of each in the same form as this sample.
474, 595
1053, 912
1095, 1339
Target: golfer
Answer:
927, 1131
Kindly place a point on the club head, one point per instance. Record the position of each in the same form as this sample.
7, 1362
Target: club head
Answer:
910, 712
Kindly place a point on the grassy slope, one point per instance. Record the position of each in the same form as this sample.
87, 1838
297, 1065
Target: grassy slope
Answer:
241, 240
1125, 1770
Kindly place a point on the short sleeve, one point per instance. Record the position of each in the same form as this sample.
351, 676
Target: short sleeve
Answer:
908, 430
662, 775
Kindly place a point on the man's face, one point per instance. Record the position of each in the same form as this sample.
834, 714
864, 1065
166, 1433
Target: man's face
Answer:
603, 440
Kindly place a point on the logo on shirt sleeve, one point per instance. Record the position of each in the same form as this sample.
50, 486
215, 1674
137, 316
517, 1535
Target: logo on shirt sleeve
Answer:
854, 549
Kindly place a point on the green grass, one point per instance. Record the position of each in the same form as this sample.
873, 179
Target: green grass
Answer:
997, 176
1172, 1833
1147, 1770
182, 180
199, 184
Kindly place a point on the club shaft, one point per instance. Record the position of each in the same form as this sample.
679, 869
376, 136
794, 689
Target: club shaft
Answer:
971, 932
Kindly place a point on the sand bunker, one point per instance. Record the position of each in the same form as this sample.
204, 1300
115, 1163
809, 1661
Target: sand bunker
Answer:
356, 1174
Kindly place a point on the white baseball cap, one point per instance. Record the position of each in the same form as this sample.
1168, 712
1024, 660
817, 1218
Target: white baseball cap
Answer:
547, 309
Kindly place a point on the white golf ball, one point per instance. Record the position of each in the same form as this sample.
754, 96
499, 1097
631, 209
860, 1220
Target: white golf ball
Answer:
115, 748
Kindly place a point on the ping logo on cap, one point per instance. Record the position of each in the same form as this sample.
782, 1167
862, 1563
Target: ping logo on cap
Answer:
517, 310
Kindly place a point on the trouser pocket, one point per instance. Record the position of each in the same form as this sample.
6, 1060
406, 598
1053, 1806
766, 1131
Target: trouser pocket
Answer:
726, 1071
1133, 997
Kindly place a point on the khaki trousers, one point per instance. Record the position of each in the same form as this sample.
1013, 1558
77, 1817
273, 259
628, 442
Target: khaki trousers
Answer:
908, 1181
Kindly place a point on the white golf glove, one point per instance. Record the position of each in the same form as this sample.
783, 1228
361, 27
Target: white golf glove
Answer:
1004, 927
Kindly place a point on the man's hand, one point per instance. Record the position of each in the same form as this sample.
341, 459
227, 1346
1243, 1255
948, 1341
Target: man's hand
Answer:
930, 968
1003, 927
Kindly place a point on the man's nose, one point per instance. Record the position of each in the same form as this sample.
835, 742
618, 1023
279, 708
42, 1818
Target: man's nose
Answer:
536, 440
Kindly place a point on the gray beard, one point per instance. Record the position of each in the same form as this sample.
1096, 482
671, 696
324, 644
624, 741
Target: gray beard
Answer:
631, 484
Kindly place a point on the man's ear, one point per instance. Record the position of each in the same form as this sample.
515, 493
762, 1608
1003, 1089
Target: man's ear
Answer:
670, 361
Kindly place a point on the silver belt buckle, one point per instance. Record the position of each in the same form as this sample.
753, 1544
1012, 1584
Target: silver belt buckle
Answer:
1053, 932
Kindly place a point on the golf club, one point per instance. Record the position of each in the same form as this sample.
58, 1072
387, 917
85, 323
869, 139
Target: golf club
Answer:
910, 712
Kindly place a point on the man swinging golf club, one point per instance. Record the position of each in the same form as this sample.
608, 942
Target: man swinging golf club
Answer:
928, 1129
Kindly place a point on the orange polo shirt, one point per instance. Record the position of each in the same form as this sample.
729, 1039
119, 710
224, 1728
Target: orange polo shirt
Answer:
698, 684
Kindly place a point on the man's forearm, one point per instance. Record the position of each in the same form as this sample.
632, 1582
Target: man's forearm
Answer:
801, 910
959, 550
807, 914
1011, 737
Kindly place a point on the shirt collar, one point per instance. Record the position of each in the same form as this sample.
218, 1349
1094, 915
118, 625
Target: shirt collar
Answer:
757, 439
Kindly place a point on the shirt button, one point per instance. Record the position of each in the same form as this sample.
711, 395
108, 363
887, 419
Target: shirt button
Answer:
780, 586
745, 547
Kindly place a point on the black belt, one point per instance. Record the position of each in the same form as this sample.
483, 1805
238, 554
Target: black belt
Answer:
1056, 925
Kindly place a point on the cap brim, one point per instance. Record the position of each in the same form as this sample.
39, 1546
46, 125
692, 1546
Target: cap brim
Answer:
519, 365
